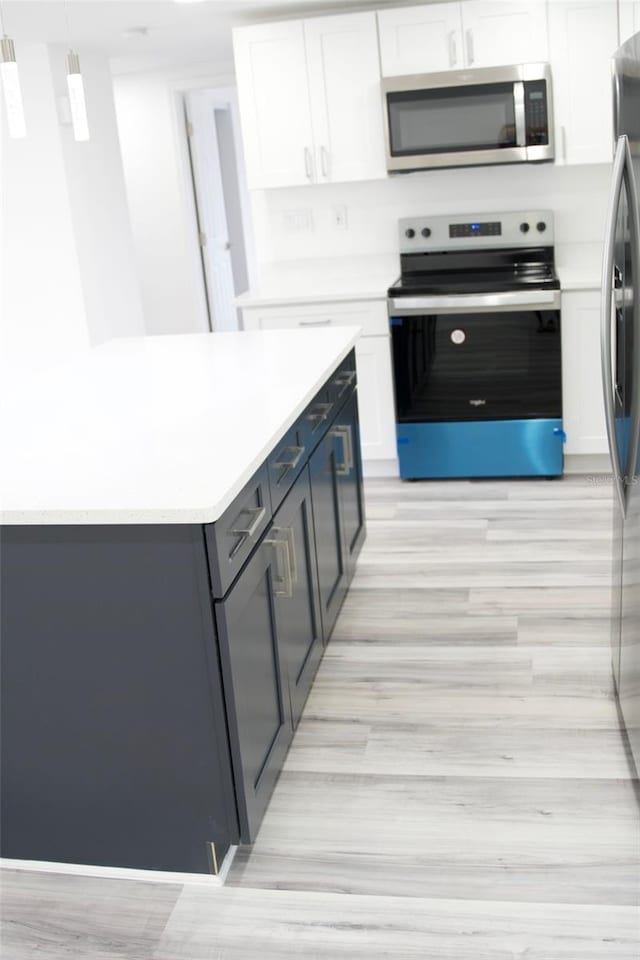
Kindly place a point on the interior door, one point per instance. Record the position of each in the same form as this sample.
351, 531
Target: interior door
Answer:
212, 219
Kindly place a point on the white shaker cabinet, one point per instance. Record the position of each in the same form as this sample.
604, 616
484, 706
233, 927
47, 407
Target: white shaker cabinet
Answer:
273, 95
582, 400
373, 362
310, 107
583, 36
420, 39
449, 36
497, 33
629, 18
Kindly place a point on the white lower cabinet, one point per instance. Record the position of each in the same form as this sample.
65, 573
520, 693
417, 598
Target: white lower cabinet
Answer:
582, 397
373, 362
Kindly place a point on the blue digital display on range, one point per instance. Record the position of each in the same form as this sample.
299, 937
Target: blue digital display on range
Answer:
492, 229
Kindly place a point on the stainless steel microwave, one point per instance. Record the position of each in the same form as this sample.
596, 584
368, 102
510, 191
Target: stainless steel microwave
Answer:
467, 118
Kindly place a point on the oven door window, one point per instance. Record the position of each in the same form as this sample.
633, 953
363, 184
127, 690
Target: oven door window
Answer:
479, 117
502, 366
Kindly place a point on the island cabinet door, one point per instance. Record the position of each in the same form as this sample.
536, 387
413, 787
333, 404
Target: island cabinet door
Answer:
257, 707
325, 467
297, 596
347, 428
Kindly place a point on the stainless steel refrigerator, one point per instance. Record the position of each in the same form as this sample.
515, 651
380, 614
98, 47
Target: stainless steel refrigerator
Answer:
621, 381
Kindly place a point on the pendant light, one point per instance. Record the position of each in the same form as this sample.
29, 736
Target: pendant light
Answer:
11, 89
76, 97
76, 90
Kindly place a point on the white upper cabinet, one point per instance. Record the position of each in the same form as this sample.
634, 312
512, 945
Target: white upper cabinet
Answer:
420, 39
343, 65
583, 36
271, 71
498, 33
310, 101
629, 13
450, 36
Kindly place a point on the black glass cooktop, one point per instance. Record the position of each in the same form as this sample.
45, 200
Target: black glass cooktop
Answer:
482, 272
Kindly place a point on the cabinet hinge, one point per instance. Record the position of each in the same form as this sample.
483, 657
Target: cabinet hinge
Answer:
213, 859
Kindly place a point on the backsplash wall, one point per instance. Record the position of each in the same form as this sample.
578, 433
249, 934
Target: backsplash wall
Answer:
299, 223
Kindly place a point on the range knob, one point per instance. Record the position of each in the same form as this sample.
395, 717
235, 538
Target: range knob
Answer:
426, 232
524, 227
410, 233
541, 226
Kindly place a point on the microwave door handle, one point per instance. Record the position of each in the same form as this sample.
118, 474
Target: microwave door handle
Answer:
519, 114
606, 315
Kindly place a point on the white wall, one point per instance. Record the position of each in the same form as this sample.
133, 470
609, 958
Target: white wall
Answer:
161, 210
67, 248
42, 298
577, 195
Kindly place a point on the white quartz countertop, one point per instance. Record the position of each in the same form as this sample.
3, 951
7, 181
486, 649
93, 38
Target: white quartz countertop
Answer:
155, 429
321, 280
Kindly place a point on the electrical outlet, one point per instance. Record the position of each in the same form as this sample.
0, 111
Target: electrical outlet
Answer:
340, 217
297, 221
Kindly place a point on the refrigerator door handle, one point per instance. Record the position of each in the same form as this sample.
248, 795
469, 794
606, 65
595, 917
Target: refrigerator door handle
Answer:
621, 166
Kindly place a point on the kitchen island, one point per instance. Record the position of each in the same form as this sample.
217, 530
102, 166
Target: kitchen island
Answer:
181, 520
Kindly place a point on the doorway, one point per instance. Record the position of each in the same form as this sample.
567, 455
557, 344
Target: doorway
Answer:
221, 200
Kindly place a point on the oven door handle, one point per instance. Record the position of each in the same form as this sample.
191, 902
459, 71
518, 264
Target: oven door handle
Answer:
510, 301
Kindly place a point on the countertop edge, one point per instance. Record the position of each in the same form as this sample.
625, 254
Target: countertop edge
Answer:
202, 514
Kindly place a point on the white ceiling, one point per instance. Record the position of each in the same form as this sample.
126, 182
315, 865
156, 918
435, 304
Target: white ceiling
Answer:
177, 32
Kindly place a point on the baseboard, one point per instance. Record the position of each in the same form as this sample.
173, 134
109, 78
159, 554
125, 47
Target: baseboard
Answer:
123, 873
587, 463
380, 468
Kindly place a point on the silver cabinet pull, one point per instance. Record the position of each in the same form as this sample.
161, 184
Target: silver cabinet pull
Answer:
312, 322
319, 414
289, 532
622, 173
344, 433
291, 463
324, 162
281, 548
453, 51
470, 51
246, 533
308, 163
563, 138
345, 380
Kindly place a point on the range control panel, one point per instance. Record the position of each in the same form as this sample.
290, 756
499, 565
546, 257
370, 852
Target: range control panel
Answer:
523, 228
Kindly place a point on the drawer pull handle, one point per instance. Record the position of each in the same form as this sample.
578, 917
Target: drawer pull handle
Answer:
319, 414
281, 548
291, 463
344, 433
258, 514
315, 323
345, 380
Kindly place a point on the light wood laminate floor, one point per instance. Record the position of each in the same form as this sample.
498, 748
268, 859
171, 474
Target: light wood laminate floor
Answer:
458, 786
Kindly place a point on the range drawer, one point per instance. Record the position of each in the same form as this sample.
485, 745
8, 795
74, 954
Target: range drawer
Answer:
232, 538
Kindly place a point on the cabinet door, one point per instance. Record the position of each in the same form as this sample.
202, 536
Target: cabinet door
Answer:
629, 18
582, 400
297, 599
343, 65
330, 552
583, 37
271, 73
498, 33
257, 710
420, 39
349, 469
375, 389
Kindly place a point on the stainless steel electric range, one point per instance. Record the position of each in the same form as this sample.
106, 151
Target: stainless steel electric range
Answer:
475, 329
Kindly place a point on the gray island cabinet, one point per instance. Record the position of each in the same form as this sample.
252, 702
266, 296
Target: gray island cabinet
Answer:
153, 674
